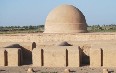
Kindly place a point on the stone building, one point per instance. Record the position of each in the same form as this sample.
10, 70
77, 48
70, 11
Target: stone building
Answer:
64, 43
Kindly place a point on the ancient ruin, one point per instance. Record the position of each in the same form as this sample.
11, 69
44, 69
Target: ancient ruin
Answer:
65, 19
64, 43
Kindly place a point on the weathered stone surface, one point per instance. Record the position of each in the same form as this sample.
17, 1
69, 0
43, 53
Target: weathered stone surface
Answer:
54, 57
25, 46
73, 56
14, 56
109, 57
41, 37
66, 16
105, 71
95, 57
30, 70
66, 71
36, 57
3, 57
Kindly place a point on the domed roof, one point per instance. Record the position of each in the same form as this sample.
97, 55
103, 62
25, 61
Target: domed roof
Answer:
65, 19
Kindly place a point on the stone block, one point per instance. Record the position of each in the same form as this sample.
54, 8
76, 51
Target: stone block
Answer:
14, 56
55, 56
36, 57
66, 71
3, 57
95, 57
109, 57
73, 56
105, 71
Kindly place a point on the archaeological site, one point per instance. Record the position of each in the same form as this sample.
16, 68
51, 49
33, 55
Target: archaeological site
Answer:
65, 43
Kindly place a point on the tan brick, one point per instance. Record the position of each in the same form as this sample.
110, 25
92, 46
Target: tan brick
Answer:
105, 71
109, 57
95, 57
73, 56
3, 57
14, 56
25, 46
55, 56
36, 57
66, 71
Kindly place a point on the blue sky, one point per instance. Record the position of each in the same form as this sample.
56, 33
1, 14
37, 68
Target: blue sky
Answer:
34, 12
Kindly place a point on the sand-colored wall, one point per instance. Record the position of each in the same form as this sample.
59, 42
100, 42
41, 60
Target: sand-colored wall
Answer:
10, 57
41, 37
14, 56
95, 57
56, 56
37, 57
74, 56
2, 57
103, 55
25, 46
84, 40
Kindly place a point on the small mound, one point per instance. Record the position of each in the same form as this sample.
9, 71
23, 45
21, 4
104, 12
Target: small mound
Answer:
64, 44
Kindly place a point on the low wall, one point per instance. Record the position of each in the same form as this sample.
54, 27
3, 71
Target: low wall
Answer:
42, 37
29, 41
103, 55
56, 56
26, 49
10, 57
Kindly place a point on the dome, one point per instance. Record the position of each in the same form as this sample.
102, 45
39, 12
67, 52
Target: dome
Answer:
65, 19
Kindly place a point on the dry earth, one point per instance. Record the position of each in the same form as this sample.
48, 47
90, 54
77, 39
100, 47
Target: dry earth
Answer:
23, 69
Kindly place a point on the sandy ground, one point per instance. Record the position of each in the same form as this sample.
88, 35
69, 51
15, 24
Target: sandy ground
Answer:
23, 69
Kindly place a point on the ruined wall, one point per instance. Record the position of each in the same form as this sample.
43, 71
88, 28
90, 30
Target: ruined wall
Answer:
103, 55
40, 37
10, 57
25, 46
2, 57
56, 56
27, 42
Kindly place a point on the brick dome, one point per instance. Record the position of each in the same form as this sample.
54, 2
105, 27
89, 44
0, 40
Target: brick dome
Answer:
65, 19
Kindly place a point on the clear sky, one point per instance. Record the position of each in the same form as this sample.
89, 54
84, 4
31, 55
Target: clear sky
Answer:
34, 12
